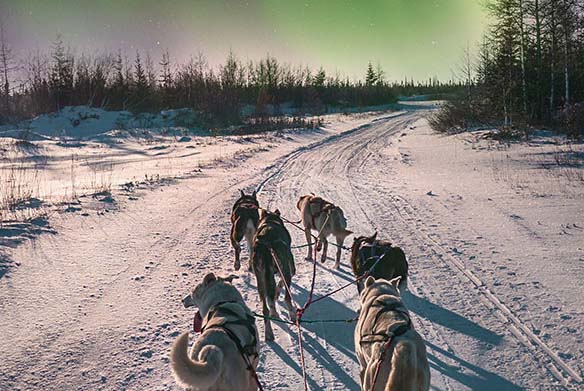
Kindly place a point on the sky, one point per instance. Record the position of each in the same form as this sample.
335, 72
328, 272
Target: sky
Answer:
408, 38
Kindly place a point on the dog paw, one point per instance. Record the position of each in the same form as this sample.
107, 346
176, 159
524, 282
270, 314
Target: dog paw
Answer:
309, 258
269, 337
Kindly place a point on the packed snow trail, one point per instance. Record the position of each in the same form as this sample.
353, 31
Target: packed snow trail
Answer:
97, 305
476, 350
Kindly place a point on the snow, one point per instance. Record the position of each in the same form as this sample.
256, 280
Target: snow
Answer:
83, 122
493, 234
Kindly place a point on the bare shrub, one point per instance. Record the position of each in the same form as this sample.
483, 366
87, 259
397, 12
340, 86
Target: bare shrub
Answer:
575, 120
266, 124
20, 186
450, 118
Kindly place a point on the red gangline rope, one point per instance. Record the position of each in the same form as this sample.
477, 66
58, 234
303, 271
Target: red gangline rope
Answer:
300, 310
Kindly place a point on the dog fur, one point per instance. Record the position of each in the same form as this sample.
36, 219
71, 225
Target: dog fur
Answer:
365, 252
214, 363
404, 365
326, 219
272, 244
244, 222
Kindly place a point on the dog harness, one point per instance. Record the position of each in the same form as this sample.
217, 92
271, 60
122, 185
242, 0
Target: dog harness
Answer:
229, 313
386, 336
366, 264
328, 206
395, 330
267, 222
246, 202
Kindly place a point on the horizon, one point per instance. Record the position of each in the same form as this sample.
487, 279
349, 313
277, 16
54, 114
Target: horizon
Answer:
429, 39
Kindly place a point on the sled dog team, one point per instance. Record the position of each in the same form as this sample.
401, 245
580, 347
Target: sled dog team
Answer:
392, 355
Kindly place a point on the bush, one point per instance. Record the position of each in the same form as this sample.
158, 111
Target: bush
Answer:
575, 120
266, 124
450, 118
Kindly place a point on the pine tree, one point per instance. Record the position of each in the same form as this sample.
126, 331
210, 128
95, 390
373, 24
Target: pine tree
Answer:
61, 77
140, 90
370, 76
379, 75
7, 66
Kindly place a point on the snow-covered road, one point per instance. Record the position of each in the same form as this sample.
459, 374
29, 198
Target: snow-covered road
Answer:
97, 305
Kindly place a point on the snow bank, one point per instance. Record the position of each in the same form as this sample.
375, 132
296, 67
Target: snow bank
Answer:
82, 122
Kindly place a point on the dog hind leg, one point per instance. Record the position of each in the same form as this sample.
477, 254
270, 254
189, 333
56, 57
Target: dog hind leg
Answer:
324, 242
340, 241
308, 235
236, 236
403, 375
268, 332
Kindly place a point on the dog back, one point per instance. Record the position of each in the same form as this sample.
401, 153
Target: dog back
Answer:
366, 252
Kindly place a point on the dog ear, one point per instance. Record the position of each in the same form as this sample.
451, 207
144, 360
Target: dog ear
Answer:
299, 201
242, 193
254, 194
395, 282
277, 212
369, 281
209, 278
229, 278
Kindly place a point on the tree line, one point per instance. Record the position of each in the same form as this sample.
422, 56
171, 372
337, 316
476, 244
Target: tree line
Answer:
139, 84
529, 70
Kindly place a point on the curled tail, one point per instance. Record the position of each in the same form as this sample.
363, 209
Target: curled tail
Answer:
195, 374
404, 371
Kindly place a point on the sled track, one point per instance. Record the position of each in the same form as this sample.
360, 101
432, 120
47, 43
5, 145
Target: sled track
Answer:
567, 376
364, 149
278, 167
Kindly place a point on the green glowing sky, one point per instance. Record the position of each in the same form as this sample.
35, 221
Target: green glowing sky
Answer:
413, 38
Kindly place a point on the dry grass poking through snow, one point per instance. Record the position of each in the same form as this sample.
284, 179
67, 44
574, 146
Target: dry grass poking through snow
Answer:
19, 182
27, 188
543, 166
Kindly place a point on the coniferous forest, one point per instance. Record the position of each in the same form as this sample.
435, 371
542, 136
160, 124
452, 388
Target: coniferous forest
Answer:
140, 83
529, 70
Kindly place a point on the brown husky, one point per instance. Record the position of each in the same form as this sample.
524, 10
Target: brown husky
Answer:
244, 222
366, 251
326, 219
271, 244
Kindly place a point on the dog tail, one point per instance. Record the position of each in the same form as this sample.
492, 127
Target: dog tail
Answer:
284, 258
404, 371
345, 232
195, 374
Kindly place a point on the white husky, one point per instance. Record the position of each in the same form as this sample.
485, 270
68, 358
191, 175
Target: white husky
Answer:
391, 353
228, 345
